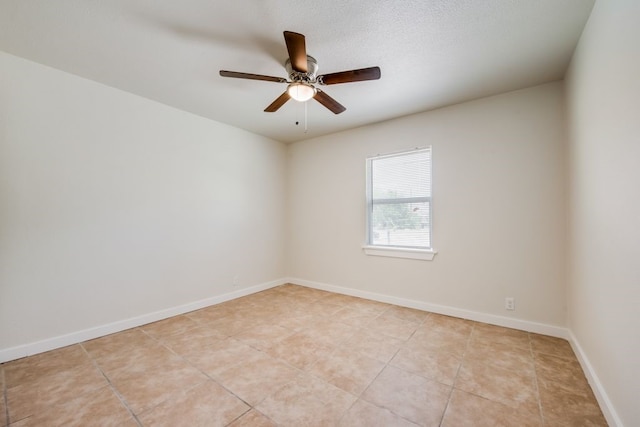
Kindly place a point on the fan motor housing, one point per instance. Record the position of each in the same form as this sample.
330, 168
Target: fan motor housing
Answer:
309, 76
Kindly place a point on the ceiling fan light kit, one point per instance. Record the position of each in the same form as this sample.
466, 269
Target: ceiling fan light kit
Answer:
302, 70
301, 92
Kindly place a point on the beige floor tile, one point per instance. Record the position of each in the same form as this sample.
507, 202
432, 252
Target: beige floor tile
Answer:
439, 340
369, 305
294, 304
566, 372
268, 296
300, 350
411, 396
407, 314
195, 342
223, 354
242, 304
253, 418
4, 419
510, 387
322, 308
255, 380
354, 317
36, 395
168, 327
459, 331
485, 333
297, 320
116, 351
316, 293
372, 344
466, 409
500, 355
349, 371
207, 404
342, 300
568, 405
263, 337
260, 315
365, 414
452, 325
297, 290
392, 326
356, 303
432, 364
302, 291
143, 390
578, 421
234, 325
137, 361
101, 407
307, 401
271, 311
51, 362
328, 332
551, 346
209, 315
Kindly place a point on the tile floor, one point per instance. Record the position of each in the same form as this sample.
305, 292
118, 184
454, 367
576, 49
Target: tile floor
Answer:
294, 356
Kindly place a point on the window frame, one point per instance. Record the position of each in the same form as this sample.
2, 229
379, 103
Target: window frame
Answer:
412, 252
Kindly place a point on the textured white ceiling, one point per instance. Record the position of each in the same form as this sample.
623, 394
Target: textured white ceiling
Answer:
432, 52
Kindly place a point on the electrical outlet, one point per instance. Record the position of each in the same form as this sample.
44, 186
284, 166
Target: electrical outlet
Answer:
510, 303
236, 281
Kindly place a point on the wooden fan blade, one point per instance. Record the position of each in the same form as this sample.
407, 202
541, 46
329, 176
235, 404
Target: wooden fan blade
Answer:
297, 51
279, 102
329, 102
371, 73
237, 75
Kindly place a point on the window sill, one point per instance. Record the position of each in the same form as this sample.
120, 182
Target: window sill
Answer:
421, 254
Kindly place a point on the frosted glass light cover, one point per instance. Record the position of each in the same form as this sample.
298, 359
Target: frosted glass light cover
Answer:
301, 92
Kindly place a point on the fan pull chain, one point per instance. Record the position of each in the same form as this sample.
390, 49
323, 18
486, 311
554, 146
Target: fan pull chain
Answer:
305, 117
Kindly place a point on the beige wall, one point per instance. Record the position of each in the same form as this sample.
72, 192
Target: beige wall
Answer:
603, 86
498, 207
114, 206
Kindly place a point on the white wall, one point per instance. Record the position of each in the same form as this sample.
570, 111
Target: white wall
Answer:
113, 206
603, 100
498, 207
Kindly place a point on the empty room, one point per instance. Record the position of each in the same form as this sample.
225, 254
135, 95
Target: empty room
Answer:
302, 213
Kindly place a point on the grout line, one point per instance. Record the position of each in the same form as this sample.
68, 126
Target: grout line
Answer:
190, 363
5, 397
455, 378
344, 414
388, 364
535, 374
240, 416
111, 386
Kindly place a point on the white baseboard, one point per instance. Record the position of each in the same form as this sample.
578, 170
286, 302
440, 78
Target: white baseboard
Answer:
608, 410
508, 322
24, 350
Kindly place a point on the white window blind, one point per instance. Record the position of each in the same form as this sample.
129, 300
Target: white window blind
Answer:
399, 200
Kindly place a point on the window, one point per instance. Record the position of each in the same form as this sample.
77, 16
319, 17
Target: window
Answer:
399, 205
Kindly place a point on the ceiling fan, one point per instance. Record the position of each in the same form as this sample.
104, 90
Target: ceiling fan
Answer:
302, 70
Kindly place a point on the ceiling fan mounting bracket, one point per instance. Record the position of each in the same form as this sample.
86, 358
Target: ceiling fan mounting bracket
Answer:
297, 76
